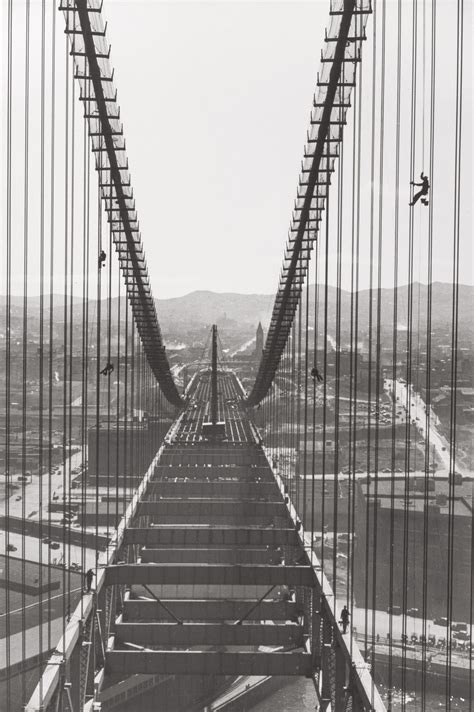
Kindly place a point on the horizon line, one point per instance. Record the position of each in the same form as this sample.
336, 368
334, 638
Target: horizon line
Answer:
243, 294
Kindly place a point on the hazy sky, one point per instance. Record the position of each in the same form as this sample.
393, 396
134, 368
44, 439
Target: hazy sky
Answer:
216, 119
215, 101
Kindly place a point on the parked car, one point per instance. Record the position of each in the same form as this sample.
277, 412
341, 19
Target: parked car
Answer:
459, 626
395, 610
415, 612
11, 547
46, 540
54, 545
441, 621
461, 635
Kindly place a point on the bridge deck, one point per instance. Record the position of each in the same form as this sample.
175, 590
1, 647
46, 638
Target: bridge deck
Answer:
216, 549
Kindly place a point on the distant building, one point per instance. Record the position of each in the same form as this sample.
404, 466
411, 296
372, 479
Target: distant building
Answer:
121, 452
259, 342
390, 545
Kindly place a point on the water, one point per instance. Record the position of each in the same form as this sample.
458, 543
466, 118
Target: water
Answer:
299, 696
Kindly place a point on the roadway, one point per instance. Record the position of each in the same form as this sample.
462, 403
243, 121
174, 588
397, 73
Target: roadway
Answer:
33, 549
243, 347
229, 407
25, 502
415, 408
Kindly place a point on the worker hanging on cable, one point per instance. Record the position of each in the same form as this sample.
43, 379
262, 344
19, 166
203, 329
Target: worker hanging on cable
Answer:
108, 369
102, 258
425, 187
316, 376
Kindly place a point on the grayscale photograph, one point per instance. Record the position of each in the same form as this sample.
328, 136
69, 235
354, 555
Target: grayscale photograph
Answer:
236, 356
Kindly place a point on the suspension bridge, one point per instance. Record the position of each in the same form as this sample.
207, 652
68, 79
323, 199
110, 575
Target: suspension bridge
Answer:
302, 513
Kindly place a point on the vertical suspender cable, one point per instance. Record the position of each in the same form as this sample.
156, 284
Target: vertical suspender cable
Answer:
26, 190
314, 390
8, 305
337, 384
52, 246
429, 279
325, 371
392, 543
41, 332
85, 320
378, 365
98, 349
306, 367
65, 314
368, 604
67, 494
408, 378
454, 333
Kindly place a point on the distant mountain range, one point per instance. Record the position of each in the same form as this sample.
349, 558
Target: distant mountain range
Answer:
208, 307
202, 308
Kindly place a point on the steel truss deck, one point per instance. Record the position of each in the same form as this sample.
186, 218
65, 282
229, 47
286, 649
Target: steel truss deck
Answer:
206, 598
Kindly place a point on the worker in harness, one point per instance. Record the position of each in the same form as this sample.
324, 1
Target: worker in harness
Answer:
108, 369
425, 187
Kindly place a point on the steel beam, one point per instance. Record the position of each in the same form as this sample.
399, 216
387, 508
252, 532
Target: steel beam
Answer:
209, 610
208, 508
190, 634
215, 489
208, 574
230, 555
208, 663
200, 536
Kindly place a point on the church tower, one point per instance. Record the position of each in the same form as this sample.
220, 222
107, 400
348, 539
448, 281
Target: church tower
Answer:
259, 342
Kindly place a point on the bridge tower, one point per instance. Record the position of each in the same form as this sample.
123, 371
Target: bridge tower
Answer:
259, 341
214, 376
213, 429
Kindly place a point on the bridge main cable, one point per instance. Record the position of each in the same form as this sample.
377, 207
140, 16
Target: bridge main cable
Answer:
86, 29
330, 104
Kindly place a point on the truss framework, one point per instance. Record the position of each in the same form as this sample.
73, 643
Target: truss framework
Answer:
331, 101
91, 52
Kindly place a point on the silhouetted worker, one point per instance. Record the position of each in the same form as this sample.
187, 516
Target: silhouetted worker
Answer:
102, 258
108, 369
425, 187
316, 375
345, 619
89, 575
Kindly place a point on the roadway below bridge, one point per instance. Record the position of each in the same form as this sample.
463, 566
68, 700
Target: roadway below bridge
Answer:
415, 409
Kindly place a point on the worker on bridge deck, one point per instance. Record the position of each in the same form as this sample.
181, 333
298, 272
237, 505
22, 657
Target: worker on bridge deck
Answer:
89, 575
345, 619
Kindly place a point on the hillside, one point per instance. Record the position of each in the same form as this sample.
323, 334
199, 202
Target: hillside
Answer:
202, 308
